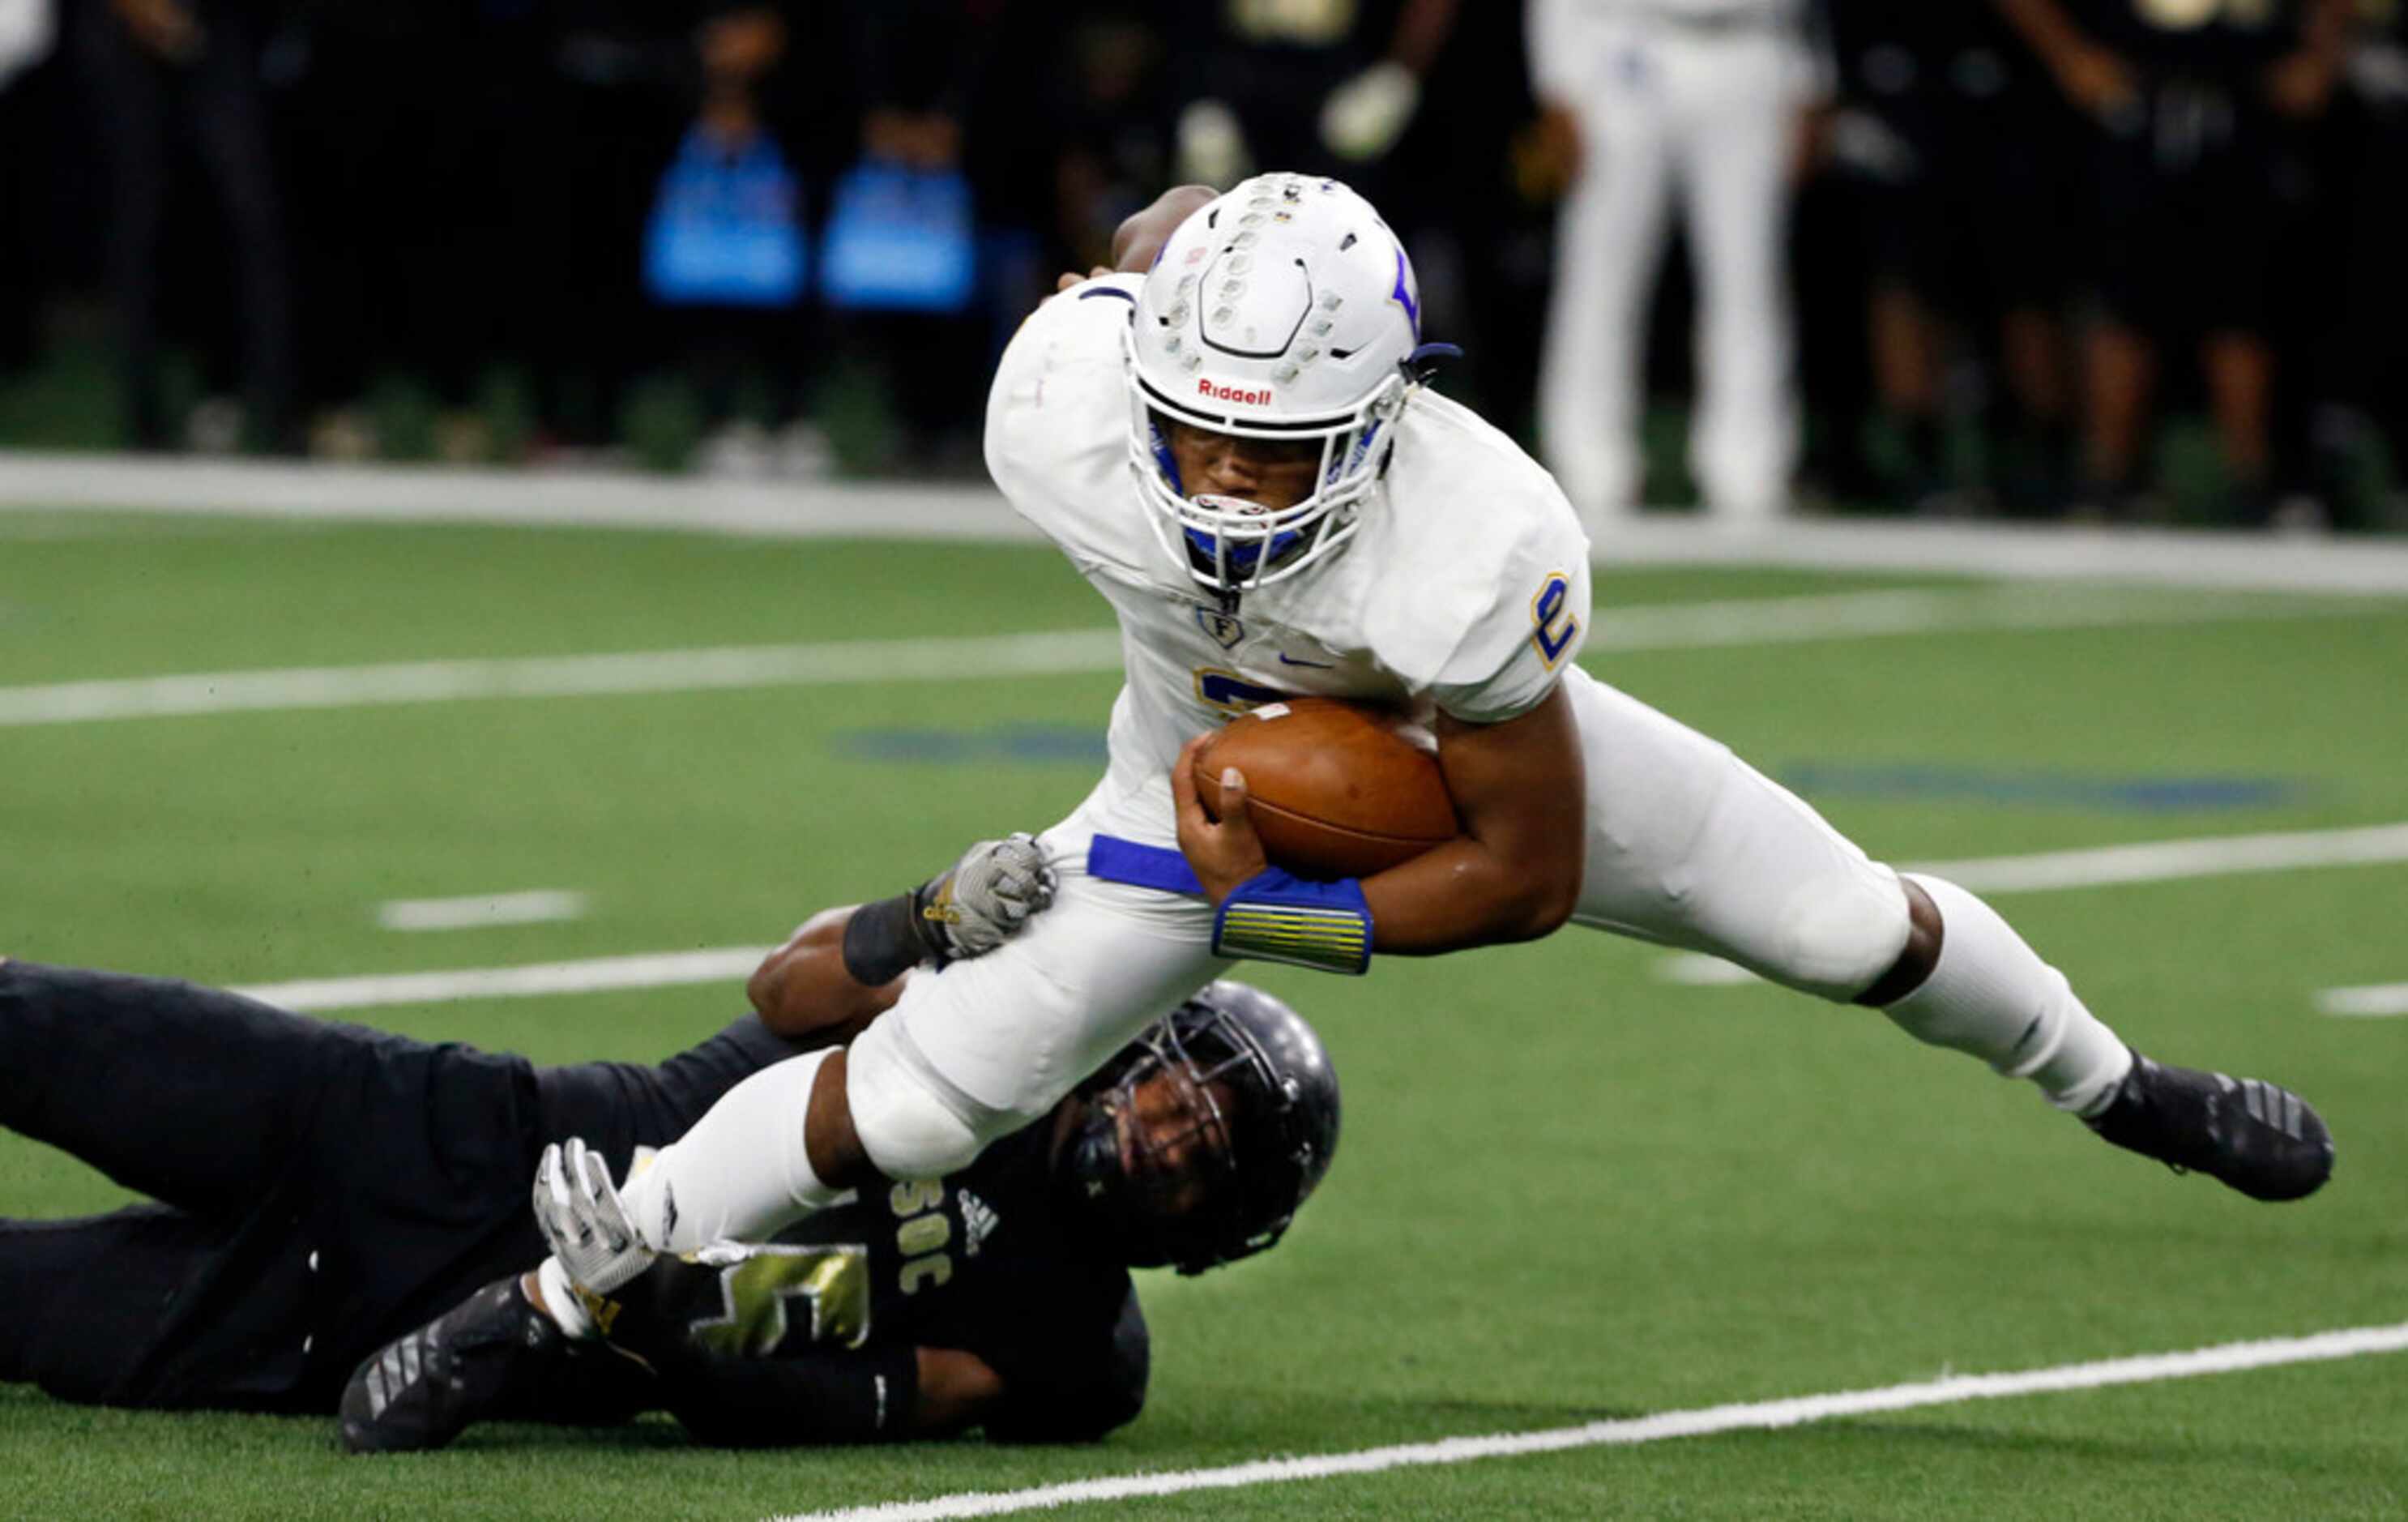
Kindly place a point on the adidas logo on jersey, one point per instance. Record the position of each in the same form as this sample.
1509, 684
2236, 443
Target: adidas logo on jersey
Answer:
979, 1221
1219, 393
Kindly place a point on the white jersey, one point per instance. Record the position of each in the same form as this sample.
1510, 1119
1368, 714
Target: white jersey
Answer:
1466, 589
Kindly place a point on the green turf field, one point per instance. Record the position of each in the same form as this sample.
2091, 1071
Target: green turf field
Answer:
1570, 1188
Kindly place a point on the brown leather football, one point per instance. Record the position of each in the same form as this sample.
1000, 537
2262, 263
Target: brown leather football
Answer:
1336, 789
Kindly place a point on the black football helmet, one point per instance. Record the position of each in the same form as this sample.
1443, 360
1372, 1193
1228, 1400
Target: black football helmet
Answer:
1201, 1138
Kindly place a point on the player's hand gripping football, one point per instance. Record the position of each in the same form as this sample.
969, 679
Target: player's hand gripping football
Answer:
578, 1210
1225, 853
988, 896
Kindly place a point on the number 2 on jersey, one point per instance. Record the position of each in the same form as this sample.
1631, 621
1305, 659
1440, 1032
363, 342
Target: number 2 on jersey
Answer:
1551, 612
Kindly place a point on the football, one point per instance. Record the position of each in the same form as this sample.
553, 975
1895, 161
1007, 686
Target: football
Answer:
1335, 789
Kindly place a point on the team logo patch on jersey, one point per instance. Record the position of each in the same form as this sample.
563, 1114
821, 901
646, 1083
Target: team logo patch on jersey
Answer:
1224, 628
979, 1221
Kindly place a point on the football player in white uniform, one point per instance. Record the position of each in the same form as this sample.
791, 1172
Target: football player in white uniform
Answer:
1232, 438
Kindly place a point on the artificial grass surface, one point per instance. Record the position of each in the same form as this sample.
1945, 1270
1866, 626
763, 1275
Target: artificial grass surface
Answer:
1568, 1190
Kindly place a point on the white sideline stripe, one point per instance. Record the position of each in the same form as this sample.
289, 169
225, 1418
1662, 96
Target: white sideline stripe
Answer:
2157, 861
976, 512
657, 672
1760, 1415
537, 906
2372, 1002
1066, 652
320, 996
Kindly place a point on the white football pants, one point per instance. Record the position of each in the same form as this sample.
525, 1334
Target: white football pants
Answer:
1704, 118
1688, 846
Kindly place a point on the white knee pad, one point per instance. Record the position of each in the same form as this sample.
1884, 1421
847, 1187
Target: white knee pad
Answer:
1838, 934
912, 1123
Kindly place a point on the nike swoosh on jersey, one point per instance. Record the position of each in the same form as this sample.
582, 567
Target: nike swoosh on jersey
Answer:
1286, 659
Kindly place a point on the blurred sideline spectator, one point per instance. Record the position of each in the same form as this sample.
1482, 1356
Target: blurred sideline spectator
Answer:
726, 243
786, 229
2199, 111
2367, 341
1694, 103
160, 73
409, 253
1325, 86
1954, 147
1113, 155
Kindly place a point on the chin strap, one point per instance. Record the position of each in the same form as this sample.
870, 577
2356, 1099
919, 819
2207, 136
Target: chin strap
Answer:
1422, 363
1275, 916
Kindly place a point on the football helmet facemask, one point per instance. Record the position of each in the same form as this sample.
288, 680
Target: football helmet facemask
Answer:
1201, 1140
1284, 311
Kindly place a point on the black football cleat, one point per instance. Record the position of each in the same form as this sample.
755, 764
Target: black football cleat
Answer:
2263, 1141
475, 1361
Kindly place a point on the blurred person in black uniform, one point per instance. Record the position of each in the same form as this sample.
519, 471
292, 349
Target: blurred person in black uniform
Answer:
1959, 153
162, 72
2367, 341
758, 104
1472, 185
1323, 86
2198, 106
1111, 132
398, 125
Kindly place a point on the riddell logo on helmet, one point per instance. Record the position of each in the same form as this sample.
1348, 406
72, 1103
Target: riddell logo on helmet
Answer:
1240, 395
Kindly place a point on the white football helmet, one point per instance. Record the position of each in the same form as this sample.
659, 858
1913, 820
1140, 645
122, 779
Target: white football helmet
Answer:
1287, 310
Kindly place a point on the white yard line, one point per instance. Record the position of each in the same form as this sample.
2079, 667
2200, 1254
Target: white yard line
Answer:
476, 911
2372, 1002
1758, 1416
659, 969
635, 501
1763, 621
562, 676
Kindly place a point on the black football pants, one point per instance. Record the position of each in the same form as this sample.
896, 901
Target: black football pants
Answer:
320, 1187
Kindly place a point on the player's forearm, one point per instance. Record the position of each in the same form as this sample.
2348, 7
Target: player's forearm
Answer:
1464, 894
1515, 871
804, 988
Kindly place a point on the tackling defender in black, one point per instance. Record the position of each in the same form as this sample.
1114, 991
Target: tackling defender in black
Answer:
997, 1296
323, 1189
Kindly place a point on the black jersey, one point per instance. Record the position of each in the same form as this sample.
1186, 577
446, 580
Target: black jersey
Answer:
326, 1188
984, 1260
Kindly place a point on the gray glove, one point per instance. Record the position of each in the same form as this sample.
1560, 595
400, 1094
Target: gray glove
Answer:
987, 897
578, 1210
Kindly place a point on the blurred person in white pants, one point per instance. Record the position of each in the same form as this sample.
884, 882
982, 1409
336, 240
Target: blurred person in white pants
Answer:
1650, 101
